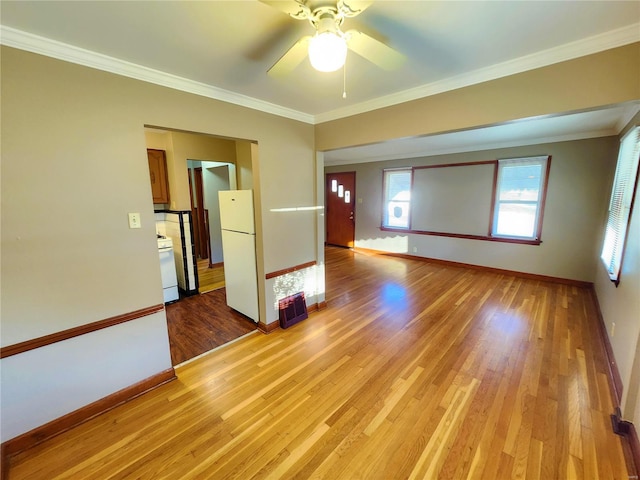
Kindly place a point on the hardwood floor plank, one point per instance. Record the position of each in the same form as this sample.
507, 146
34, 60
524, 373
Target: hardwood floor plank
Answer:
574, 469
432, 458
505, 466
210, 278
398, 390
314, 466
522, 447
200, 323
296, 453
463, 456
534, 462
414, 370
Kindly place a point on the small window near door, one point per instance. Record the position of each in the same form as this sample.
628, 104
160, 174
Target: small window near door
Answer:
397, 198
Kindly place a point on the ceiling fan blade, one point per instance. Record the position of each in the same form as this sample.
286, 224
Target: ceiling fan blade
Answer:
293, 8
375, 51
278, 35
351, 8
290, 60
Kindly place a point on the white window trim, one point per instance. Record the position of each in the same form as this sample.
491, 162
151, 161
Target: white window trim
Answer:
543, 161
385, 201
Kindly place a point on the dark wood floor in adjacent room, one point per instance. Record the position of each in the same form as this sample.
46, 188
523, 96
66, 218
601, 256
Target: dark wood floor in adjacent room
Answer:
201, 323
415, 370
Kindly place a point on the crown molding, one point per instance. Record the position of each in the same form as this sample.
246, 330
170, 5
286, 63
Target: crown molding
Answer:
36, 44
12, 37
597, 43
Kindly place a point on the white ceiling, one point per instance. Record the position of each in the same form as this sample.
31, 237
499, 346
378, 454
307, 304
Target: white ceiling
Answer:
223, 49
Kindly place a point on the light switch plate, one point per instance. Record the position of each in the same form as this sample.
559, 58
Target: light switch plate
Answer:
134, 220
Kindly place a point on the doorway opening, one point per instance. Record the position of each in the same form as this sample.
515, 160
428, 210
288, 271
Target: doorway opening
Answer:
206, 179
197, 167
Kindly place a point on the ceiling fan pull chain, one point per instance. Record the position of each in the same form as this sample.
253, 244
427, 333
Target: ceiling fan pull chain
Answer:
344, 80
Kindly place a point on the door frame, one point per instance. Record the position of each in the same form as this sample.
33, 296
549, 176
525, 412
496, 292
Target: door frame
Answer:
203, 245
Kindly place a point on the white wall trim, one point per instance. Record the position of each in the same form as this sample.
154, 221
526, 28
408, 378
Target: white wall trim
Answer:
62, 51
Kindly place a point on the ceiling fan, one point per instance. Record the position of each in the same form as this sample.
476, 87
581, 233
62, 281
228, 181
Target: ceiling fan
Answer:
327, 49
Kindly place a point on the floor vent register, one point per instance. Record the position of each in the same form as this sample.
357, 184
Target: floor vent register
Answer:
293, 309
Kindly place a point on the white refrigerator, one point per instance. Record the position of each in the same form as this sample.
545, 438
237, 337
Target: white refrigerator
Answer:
239, 251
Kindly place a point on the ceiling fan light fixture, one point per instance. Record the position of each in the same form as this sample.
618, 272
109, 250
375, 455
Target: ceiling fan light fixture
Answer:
327, 51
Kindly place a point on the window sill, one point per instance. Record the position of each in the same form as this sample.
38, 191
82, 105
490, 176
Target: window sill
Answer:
485, 238
615, 278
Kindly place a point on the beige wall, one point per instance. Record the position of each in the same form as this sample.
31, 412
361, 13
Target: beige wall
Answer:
180, 147
576, 198
243, 165
606, 78
579, 188
588, 82
71, 192
194, 147
621, 305
157, 140
204, 147
68, 256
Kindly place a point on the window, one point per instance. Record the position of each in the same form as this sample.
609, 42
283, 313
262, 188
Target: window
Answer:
493, 200
397, 198
621, 203
520, 193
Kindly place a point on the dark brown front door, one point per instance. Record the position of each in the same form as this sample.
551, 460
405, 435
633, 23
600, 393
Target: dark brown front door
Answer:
340, 204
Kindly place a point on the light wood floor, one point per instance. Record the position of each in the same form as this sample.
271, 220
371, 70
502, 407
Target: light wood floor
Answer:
209, 278
414, 370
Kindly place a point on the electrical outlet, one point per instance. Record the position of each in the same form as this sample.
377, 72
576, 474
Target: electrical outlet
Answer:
415, 249
134, 220
613, 329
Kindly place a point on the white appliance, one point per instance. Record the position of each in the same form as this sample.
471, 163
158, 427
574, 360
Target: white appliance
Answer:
239, 251
167, 269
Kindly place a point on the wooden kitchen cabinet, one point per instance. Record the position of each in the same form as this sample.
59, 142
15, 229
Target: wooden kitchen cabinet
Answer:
158, 174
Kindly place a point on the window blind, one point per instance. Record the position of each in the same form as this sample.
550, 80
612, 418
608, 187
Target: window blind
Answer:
620, 204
